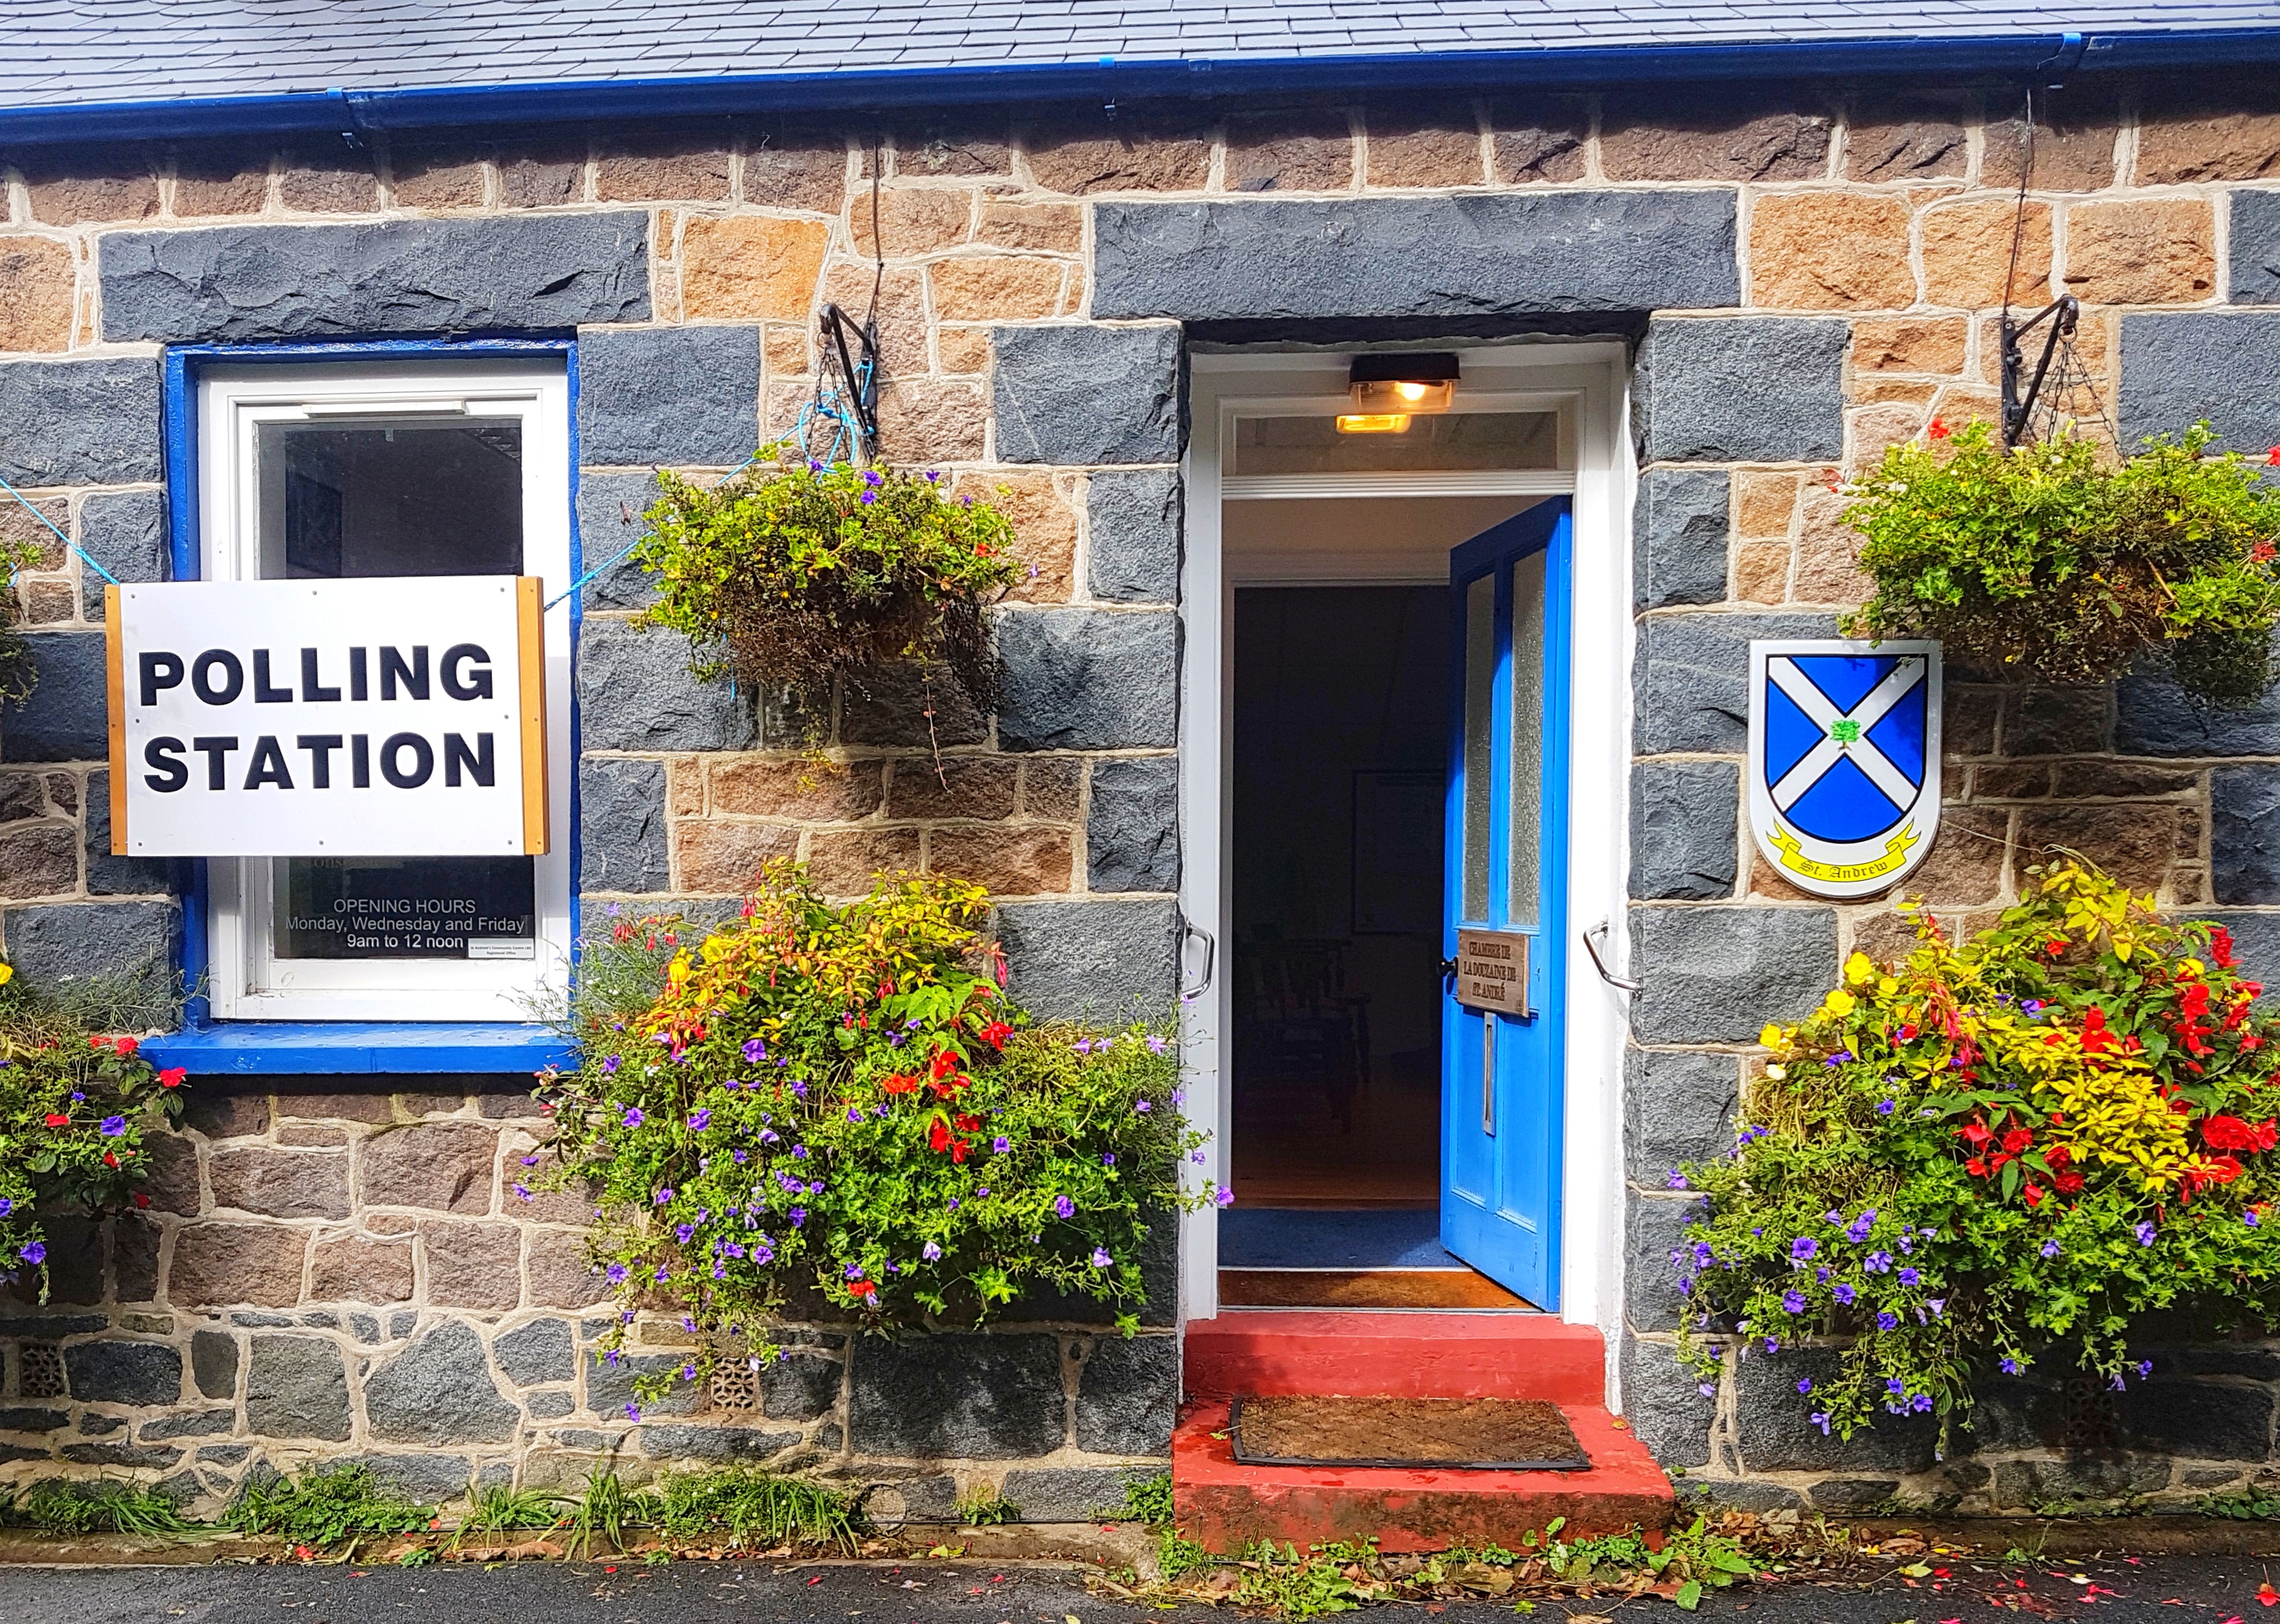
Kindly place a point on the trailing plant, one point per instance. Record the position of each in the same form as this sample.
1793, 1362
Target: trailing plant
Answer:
74, 1106
843, 1104
105, 1505
1996, 1151
324, 1507
2054, 563
19, 675
801, 573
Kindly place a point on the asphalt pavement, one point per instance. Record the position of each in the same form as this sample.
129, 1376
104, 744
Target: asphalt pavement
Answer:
2109, 1590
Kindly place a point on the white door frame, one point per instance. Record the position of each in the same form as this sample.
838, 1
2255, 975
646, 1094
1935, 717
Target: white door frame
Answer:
1592, 377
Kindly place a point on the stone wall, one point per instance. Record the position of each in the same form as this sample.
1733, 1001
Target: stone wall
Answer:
325, 1274
1809, 275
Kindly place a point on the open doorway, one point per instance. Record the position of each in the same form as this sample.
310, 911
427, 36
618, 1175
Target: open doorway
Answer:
1340, 716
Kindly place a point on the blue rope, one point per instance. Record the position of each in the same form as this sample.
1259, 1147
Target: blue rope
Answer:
93, 562
614, 560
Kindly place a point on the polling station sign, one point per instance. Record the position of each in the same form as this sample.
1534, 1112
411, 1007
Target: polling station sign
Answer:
378, 717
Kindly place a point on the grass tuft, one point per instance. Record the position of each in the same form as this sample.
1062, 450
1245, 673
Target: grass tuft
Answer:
73, 1505
324, 1508
744, 1502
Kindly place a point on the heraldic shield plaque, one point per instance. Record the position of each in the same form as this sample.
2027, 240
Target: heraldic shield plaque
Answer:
1844, 770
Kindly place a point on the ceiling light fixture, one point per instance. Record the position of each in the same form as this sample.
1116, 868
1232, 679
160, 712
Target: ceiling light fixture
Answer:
1389, 388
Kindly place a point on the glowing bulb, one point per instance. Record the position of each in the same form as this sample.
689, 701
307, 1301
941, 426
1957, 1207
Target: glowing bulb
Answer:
1374, 423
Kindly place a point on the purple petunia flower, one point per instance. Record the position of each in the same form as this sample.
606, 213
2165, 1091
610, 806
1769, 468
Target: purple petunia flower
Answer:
1802, 1248
1223, 1197
664, 1195
6, 1206
2050, 1249
1793, 1302
1843, 1293
1888, 1322
1877, 1263
683, 1232
701, 1118
931, 1252
2144, 1233
1143, 1107
34, 1253
1001, 1144
617, 1273
1921, 1403
2250, 1219
1805, 1384
1063, 1205
755, 1051
854, 1114
1820, 1418
113, 1127
610, 1066
1676, 1181
798, 1216
1706, 1390
1108, 1158
1100, 1257
1909, 1277
1857, 1231
1885, 1107
633, 1117
2010, 1366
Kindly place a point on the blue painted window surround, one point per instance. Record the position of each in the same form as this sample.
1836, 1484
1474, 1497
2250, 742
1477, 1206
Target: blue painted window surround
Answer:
208, 1048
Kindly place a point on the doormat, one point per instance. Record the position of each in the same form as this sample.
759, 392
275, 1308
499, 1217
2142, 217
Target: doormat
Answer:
1479, 1435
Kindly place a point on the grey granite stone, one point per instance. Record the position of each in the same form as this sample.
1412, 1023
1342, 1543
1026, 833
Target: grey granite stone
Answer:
513, 272
722, 1444
1717, 975
537, 1353
63, 718
1690, 684
611, 506
1465, 256
1754, 389
126, 1372
125, 532
91, 422
213, 1364
635, 692
1089, 679
131, 944
953, 1397
439, 1391
1770, 1421
2219, 365
1128, 1396
621, 825
686, 396
1684, 829
1099, 960
1664, 1404
1654, 1229
1136, 519
296, 1387
2255, 247
426, 1478
1678, 1106
1069, 1494
1679, 527
1084, 394
1132, 831
112, 876
2245, 833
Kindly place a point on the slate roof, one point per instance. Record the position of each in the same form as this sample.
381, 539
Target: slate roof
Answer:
65, 53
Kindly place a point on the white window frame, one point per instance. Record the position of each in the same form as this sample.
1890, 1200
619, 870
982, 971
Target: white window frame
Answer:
247, 981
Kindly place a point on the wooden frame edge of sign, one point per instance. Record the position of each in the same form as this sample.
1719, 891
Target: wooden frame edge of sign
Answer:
531, 643
114, 664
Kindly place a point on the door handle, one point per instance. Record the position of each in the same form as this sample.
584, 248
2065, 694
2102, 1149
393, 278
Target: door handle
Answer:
1191, 932
1593, 939
1448, 969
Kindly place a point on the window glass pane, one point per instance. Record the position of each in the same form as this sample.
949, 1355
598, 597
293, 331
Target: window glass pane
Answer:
1480, 695
411, 496
436, 907
402, 496
1438, 441
1527, 740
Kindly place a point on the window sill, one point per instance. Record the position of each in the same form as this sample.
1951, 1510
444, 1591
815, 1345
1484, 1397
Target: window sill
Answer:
271, 1049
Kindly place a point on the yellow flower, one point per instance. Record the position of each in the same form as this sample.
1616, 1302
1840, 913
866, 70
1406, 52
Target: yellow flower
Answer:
1887, 987
1773, 1036
1839, 1002
7, 974
676, 973
1860, 970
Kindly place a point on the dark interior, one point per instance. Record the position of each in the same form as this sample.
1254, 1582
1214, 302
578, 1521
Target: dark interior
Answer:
1338, 894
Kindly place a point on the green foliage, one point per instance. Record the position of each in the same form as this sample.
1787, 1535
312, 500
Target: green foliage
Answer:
324, 1507
2257, 1504
805, 573
605, 1509
1292, 1586
73, 1109
2053, 563
500, 1510
418, 1555
1148, 1500
744, 1502
18, 674
1988, 1150
844, 1102
982, 1510
73, 1505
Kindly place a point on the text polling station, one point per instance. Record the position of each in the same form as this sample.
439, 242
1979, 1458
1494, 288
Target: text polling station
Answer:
399, 717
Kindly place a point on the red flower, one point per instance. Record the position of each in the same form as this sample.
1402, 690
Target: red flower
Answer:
2017, 1140
901, 1084
2095, 1038
141, 1200
172, 1077
2034, 1195
2272, 457
1976, 1168
863, 1289
996, 1034
2220, 948
945, 1062
126, 1045
57, 1119
1938, 429
2069, 1182
1975, 1131
2058, 1155
108, 1160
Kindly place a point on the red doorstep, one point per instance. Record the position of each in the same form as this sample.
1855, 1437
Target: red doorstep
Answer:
1224, 1505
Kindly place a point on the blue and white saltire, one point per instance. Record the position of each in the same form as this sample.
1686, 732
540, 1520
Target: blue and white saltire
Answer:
1844, 765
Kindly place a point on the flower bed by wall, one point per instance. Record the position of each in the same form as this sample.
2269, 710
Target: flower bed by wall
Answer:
844, 1103
1999, 1151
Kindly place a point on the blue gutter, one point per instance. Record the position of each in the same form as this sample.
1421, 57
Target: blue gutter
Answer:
2019, 57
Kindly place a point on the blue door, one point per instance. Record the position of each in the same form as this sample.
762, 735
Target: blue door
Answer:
1501, 1072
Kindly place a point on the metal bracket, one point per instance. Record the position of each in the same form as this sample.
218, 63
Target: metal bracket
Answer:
860, 377
1593, 939
2063, 313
